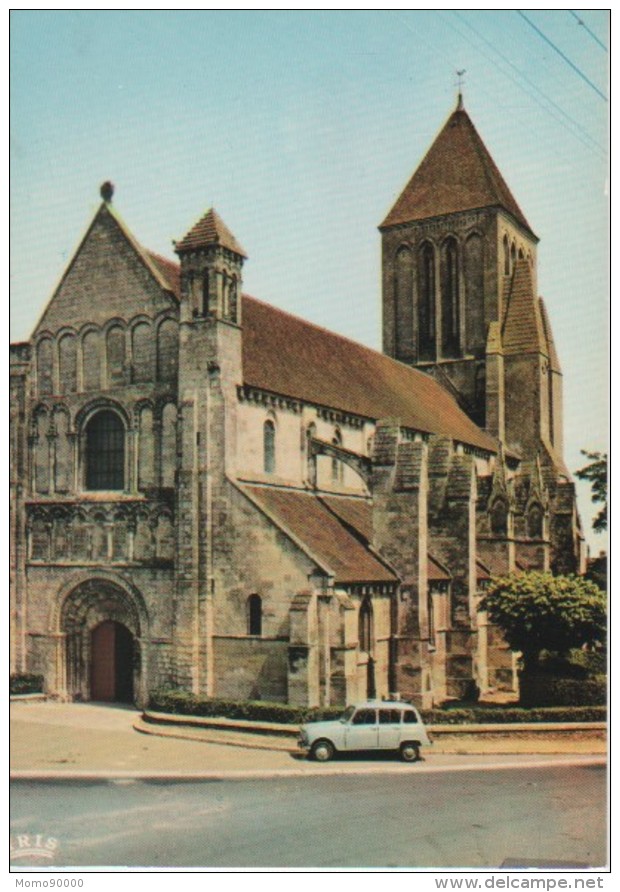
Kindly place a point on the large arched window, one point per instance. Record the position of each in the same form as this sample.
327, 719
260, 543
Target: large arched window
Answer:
105, 452
426, 305
269, 447
473, 279
450, 315
366, 632
506, 256
255, 615
403, 305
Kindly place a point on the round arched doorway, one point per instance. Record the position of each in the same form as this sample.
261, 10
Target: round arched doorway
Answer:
102, 626
111, 663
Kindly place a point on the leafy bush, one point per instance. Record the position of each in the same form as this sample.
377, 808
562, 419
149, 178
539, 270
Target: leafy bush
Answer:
576, 664
539, 612
182, 703
25, 683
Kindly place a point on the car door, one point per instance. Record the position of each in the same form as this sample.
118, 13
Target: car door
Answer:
362, 732
389, 728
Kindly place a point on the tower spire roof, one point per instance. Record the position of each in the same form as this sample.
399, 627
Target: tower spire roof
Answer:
208, 231
456, 174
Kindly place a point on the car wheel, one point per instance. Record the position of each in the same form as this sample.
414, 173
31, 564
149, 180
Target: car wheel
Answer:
322, 751
410, 752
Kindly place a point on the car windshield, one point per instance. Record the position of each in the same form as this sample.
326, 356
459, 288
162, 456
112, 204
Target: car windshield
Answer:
346, 715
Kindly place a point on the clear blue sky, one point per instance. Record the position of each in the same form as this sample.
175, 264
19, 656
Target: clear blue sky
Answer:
301, 128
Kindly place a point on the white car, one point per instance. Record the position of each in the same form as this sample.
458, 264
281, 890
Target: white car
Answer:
373, 725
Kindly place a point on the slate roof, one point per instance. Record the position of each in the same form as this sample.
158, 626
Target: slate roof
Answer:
337, 530
456, 174
289, 356
354, 513
325, 538
286, 355
210, 230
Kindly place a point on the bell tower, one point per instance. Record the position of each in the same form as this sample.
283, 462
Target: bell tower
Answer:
451, 244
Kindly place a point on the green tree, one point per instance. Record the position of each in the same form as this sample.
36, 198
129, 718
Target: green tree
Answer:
538, 611
595, 473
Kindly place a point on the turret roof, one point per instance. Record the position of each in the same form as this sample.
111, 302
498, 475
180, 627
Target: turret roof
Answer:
210, 230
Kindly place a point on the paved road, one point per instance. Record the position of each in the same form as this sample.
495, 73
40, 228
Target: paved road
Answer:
468, 819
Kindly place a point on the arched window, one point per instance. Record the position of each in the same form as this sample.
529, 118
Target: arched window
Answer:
45, 367
91, 361
143, 348
366, 632
513, 256
450, 315
168, 445
499, 518
255, 615
430, 607
336, 463
506, 257
403, 305
232, 299
473, 278
116, 356
167, 351
205, 293
426, 306
105, 452
67, 363
269, 447
535, 522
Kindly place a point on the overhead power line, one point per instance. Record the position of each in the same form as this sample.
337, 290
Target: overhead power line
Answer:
591, 33
563, 56
575, 128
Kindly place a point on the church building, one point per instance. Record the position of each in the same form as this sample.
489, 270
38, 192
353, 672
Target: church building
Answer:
210, 494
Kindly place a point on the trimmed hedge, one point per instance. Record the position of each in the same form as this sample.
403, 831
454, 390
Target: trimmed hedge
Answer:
481, 715
182, 703
550, 690
25, 683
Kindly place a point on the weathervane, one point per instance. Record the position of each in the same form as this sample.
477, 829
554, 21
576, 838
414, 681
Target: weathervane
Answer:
459, 83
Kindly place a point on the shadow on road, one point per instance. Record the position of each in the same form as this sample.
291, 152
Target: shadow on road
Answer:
369, 756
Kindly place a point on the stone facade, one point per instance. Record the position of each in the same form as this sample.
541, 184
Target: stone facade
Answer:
209, 494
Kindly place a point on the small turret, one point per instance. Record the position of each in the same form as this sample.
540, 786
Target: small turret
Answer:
211, 263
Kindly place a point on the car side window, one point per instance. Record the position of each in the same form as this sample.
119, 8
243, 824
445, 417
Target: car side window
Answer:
410, 717
389, 717
364, 717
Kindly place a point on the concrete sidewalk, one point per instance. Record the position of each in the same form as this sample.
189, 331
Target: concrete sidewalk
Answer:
82, 739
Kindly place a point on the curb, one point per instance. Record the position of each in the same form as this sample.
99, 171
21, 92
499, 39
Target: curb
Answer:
28, 698
310, 771
160, 730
